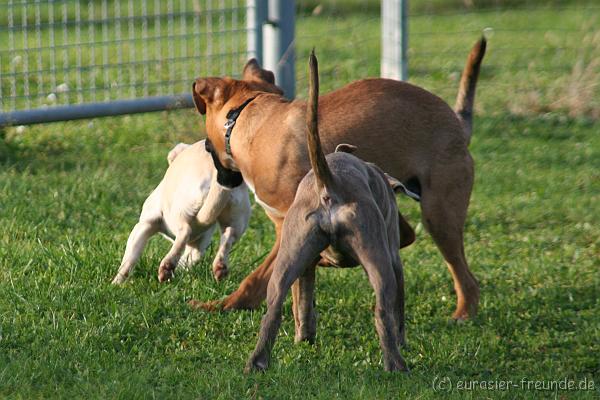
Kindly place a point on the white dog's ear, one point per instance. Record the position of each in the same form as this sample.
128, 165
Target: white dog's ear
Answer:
206, 91
345, 148
253, 72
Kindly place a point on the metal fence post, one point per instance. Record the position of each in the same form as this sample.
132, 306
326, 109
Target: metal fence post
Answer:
257, 13
278, 39
394, 39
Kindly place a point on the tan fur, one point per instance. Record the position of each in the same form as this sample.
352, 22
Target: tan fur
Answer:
407, 131
465, 100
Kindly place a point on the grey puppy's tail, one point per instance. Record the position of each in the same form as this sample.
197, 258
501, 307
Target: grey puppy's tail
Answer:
323, 175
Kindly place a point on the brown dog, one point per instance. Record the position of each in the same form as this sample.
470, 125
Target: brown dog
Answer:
410, 133
345, 208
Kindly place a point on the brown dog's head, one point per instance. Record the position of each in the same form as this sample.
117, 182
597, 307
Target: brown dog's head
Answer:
215, 97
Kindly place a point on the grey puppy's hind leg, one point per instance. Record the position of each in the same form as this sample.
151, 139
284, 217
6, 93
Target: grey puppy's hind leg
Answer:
305, 317
372, 252
381, 275
399, 273
297, 252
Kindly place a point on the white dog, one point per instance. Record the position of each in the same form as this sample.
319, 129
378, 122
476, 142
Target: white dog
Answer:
185, 207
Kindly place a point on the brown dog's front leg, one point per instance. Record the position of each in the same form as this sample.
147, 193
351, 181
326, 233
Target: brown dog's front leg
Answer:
253, 289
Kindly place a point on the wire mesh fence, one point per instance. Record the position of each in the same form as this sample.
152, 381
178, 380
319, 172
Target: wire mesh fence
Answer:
542, 56
61, 52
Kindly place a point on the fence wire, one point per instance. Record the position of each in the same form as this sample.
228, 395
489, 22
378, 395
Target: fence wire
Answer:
542, 56
60, 52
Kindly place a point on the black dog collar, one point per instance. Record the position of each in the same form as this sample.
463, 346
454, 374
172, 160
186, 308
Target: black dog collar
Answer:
232, 116
225, 177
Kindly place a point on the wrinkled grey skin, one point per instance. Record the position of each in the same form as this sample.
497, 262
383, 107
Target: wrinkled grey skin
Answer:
354, 221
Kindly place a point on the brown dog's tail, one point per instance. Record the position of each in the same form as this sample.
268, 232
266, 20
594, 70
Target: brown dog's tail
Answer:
468, 82
317, 158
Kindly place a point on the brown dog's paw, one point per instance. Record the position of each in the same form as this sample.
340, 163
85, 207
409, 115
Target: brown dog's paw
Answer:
210, 306
466, 312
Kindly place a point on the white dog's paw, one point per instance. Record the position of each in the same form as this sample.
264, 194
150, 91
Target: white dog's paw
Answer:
220, 270
118, 279
166, 271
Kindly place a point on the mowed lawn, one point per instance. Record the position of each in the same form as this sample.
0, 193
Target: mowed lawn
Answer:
71, 192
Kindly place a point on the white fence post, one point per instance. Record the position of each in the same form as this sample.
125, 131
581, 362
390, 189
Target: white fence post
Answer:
278, 38
394, 39
257, 13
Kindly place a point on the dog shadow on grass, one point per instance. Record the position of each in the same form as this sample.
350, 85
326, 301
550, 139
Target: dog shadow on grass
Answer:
44, 155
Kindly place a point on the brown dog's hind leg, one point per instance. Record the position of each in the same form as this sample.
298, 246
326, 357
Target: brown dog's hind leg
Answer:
444, 211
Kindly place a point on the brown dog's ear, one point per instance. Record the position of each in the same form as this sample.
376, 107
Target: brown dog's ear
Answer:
198, 102
345, 148
206, 90
253, 72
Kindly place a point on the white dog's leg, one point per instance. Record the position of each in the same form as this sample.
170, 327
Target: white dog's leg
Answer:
195, 250
217, 199
190, 256
220, 265
138, 238
169, 263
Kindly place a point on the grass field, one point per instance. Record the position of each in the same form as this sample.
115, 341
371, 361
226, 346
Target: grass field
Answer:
70, 193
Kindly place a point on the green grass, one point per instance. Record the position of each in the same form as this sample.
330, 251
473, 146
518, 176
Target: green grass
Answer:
70, 193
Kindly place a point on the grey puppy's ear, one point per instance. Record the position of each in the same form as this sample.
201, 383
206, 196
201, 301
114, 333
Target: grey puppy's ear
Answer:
345, 148
398, 187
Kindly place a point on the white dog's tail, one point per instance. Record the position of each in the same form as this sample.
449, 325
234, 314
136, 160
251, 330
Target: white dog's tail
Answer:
175, 151
317, 158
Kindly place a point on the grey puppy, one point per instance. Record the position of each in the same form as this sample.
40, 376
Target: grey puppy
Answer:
344, 212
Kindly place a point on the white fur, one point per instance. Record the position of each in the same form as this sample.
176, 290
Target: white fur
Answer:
186, 207
270, 210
